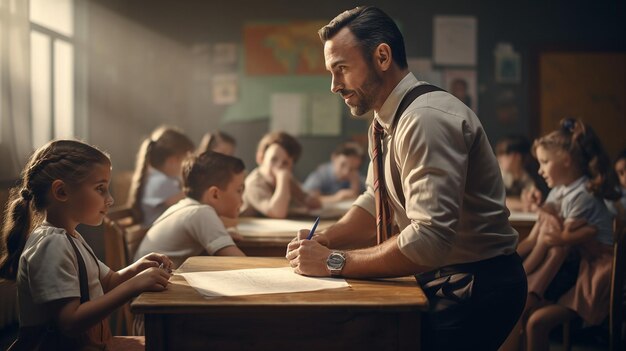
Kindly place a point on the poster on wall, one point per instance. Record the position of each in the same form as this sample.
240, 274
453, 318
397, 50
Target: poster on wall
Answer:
225, 89
287, 48
455, 40
462, 84
508, 64
311, 114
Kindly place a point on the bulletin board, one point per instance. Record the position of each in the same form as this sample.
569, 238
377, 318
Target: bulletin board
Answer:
586, 85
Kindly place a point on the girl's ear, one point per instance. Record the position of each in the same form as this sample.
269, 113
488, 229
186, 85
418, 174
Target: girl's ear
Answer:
59, 190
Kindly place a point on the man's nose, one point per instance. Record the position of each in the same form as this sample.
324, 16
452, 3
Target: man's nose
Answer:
335, 85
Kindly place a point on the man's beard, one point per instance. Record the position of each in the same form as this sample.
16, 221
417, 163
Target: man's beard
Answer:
366, 94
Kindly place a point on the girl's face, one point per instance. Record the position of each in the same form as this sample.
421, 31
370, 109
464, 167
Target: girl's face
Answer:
90, 200
620, 169
554, 166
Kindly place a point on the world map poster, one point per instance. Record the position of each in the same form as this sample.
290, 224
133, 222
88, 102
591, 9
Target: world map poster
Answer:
290, 48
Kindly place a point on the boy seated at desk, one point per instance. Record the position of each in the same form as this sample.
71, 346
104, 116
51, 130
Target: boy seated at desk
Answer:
213, 185
339, 179
271, 189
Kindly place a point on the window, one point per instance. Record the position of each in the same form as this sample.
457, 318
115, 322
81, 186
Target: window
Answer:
52, 70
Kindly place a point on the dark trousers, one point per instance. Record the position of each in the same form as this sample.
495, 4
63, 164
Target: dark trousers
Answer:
473, 306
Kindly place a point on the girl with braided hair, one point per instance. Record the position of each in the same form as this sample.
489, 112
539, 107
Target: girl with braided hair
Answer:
156, 183
65, 293
568, 254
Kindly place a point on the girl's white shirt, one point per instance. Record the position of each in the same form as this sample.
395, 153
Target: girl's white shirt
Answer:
48, 271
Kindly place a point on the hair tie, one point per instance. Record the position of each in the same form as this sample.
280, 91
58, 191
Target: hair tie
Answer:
26, 194
568, 125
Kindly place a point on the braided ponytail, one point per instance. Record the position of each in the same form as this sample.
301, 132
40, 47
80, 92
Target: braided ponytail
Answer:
68, 160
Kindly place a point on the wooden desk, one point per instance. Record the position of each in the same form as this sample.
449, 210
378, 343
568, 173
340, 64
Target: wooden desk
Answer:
267, 237
523, 222
371, 315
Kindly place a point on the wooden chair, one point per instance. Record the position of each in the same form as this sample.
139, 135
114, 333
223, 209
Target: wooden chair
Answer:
617, 307
122, 238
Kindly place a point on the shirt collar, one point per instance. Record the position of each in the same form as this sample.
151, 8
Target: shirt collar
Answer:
573, 186
390, 106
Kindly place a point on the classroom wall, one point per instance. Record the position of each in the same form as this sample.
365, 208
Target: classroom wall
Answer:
143, 62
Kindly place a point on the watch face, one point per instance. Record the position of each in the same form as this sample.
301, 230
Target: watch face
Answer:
335, 261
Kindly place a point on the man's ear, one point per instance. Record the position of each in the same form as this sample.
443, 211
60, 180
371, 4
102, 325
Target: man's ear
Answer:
383, 57
59, 190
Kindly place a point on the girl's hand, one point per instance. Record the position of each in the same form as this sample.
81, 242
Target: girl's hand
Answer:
553, 238
151, 279
153, 260
531, 198
549, 217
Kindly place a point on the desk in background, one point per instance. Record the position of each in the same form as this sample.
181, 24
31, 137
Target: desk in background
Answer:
523, 222
371, 315
268, 237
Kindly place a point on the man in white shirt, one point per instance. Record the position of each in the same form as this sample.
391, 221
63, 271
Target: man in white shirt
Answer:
446, 193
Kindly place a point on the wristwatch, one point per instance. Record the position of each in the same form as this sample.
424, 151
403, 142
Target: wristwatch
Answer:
335, 262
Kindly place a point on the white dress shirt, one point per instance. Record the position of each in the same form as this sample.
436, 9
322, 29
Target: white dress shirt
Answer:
455, 198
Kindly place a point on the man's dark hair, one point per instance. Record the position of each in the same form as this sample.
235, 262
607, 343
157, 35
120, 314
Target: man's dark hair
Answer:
200, 172
371, 27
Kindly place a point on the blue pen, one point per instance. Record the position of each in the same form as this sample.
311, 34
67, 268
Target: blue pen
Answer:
317, 221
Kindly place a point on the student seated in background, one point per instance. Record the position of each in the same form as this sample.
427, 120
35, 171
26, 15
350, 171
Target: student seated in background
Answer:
338, 179
525, 189
618, 207
271, 187
568, 254
213, 185
156, 181
217, 142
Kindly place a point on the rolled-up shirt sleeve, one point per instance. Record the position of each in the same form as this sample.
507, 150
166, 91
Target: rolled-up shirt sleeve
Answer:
432, 154
366, 199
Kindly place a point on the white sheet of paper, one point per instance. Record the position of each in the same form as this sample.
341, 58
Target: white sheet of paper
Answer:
288, 112
268, 225
523, 216
333, 210
257, 281
325, 118
455, 40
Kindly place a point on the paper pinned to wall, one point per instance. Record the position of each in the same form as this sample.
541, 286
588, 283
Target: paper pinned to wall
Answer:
225, 89
305, 114
325, 115
455, 40
287, 112
257, 281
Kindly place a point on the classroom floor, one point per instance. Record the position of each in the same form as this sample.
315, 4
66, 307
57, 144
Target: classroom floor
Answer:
583, 340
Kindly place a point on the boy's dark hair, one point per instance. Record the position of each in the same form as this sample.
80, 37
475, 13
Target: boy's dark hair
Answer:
208, 169
349, 149
371, 27
286, 141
